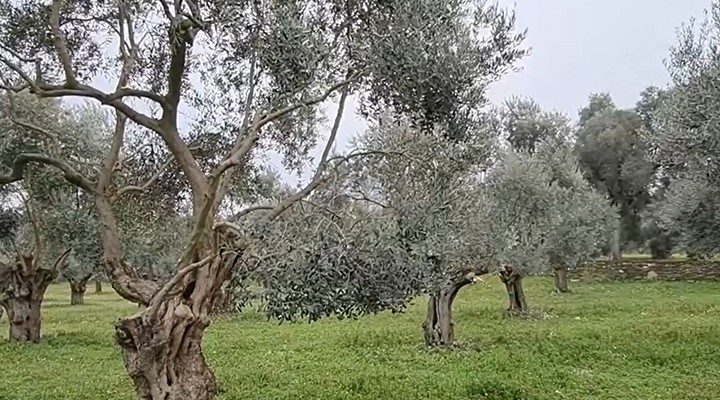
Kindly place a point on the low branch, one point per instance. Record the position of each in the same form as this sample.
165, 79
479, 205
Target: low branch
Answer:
70, 175
228, 225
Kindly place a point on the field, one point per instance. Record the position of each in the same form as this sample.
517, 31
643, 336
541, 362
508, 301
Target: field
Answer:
604, 341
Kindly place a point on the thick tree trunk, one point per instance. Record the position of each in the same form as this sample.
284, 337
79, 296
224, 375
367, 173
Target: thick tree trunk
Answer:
561, 280
512, 278
98, 285
165, 359
162, 346
77, 290
438, 327
24, 318
22, 288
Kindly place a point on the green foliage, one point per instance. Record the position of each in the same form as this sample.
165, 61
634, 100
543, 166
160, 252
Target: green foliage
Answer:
614, 157
434, 59
525, 124
545, 211
607, 341
686, 135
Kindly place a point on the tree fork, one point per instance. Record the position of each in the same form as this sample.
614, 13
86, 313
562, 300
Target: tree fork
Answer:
438, 327
512, 278
23, 287
77, 290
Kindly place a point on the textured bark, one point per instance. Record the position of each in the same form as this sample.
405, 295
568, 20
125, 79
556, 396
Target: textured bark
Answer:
24, 317
162, 346
77, 290
23, 285
98, 286
561, 280
438, 327
512, 278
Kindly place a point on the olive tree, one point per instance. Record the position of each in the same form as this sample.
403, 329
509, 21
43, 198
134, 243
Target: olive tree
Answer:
686, 138
267, 66
554, 218
429, 193
578, 217
34, 257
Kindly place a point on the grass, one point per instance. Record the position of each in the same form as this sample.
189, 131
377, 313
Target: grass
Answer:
641, 340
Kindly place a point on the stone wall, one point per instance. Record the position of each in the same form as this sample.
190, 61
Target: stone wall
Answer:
671, 270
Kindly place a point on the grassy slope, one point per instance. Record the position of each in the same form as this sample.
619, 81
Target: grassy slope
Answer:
614, 341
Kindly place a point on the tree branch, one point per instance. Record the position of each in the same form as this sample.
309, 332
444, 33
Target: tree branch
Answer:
61, 259
322, 165
253, 131
61, 44
70, 175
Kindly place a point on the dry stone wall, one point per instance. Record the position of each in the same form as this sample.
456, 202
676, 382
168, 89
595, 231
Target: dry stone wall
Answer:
671, 270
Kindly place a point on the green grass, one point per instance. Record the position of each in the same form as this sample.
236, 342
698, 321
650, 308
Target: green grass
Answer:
604, 341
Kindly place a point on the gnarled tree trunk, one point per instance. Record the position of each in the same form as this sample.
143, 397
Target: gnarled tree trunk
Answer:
162, 346
77, 290
561, 279
23, 286
438, 327
512, 278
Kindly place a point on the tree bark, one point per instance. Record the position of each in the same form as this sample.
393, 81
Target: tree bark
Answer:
98, 285
512, 278
162, 346
561, 279
438, 327
22, 286
615, 246
77, 290
24, 318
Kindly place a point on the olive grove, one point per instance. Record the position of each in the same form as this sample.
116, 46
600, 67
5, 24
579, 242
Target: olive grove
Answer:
266, 67
33, 256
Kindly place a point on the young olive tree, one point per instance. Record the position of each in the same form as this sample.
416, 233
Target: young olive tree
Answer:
267, 66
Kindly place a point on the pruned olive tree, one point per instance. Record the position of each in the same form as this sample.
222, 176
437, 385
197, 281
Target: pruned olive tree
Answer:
270, 65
